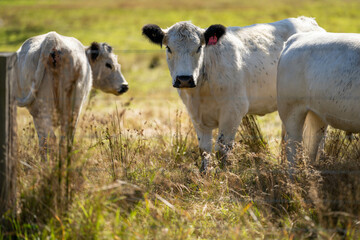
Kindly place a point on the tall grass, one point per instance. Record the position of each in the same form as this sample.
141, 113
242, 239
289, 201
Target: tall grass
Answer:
339, 167
128, 184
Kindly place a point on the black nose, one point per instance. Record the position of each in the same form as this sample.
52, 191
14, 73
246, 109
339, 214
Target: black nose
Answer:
123, 89
184, 82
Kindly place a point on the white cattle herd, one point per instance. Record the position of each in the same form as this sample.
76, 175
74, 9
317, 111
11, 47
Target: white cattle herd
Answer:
221, 74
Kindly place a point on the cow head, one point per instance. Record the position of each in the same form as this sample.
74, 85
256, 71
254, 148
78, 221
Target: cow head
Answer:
185, 49
106, 70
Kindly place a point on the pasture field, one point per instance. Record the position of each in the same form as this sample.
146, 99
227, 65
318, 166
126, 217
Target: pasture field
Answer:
135, 162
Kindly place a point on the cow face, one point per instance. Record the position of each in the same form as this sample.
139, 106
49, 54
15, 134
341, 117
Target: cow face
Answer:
106, 70
184, 49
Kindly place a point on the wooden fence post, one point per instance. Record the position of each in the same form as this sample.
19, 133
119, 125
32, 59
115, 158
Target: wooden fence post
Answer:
7, 137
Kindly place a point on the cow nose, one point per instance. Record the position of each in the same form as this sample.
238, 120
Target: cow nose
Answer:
184, 82
123, 89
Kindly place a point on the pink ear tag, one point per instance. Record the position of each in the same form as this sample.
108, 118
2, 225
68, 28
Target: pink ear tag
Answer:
212, 40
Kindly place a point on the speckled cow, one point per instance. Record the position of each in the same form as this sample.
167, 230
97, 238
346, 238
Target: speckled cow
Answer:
53, 77
222, 73
318, 81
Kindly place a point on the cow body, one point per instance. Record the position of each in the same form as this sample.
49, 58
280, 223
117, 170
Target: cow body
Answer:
53, 77
318, 84
233, 77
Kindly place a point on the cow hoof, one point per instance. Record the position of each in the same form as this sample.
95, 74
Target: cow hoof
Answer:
204, 167
291, 174
224, 163
203, 170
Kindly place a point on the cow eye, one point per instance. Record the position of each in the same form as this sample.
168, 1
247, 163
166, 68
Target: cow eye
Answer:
198, 49
108, 65
168, 49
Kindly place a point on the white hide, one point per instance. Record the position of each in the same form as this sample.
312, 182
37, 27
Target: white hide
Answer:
235, 77
53, 77
318, 80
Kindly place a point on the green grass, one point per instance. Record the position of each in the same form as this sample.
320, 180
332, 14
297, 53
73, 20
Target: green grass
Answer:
152, 144
119, 23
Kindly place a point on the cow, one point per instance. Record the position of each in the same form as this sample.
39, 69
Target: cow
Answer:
222, 73
318, 85
53, 77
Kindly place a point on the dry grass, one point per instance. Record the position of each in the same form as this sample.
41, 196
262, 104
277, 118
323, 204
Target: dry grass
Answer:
132, 183
339, 191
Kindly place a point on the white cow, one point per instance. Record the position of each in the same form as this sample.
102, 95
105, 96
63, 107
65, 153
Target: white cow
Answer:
233, 75
318, 80
53, 77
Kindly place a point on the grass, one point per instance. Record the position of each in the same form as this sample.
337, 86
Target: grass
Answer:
119, 23
136, 174
131, 185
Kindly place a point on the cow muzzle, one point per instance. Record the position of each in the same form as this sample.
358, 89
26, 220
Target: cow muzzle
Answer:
123, 89
184, 82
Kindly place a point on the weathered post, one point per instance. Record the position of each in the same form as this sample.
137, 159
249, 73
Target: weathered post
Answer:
7, 136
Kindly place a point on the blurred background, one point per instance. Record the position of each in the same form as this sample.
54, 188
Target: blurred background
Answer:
119, 23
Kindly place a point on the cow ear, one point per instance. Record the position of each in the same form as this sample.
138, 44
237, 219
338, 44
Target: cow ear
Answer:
107, 47
154, 33
214, 33
94, 50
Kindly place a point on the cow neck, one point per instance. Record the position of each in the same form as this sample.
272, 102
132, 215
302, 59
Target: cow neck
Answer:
88, 58
207, 64
202, 75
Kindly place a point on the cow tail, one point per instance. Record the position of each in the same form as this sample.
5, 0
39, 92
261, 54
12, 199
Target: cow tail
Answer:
55, 64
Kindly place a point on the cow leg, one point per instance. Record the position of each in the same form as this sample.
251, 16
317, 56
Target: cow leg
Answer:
314, 132
283, 132
205, 145
294, 123
68, 130
70, 104
66, 141
228, 125
283, 143
47, 138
